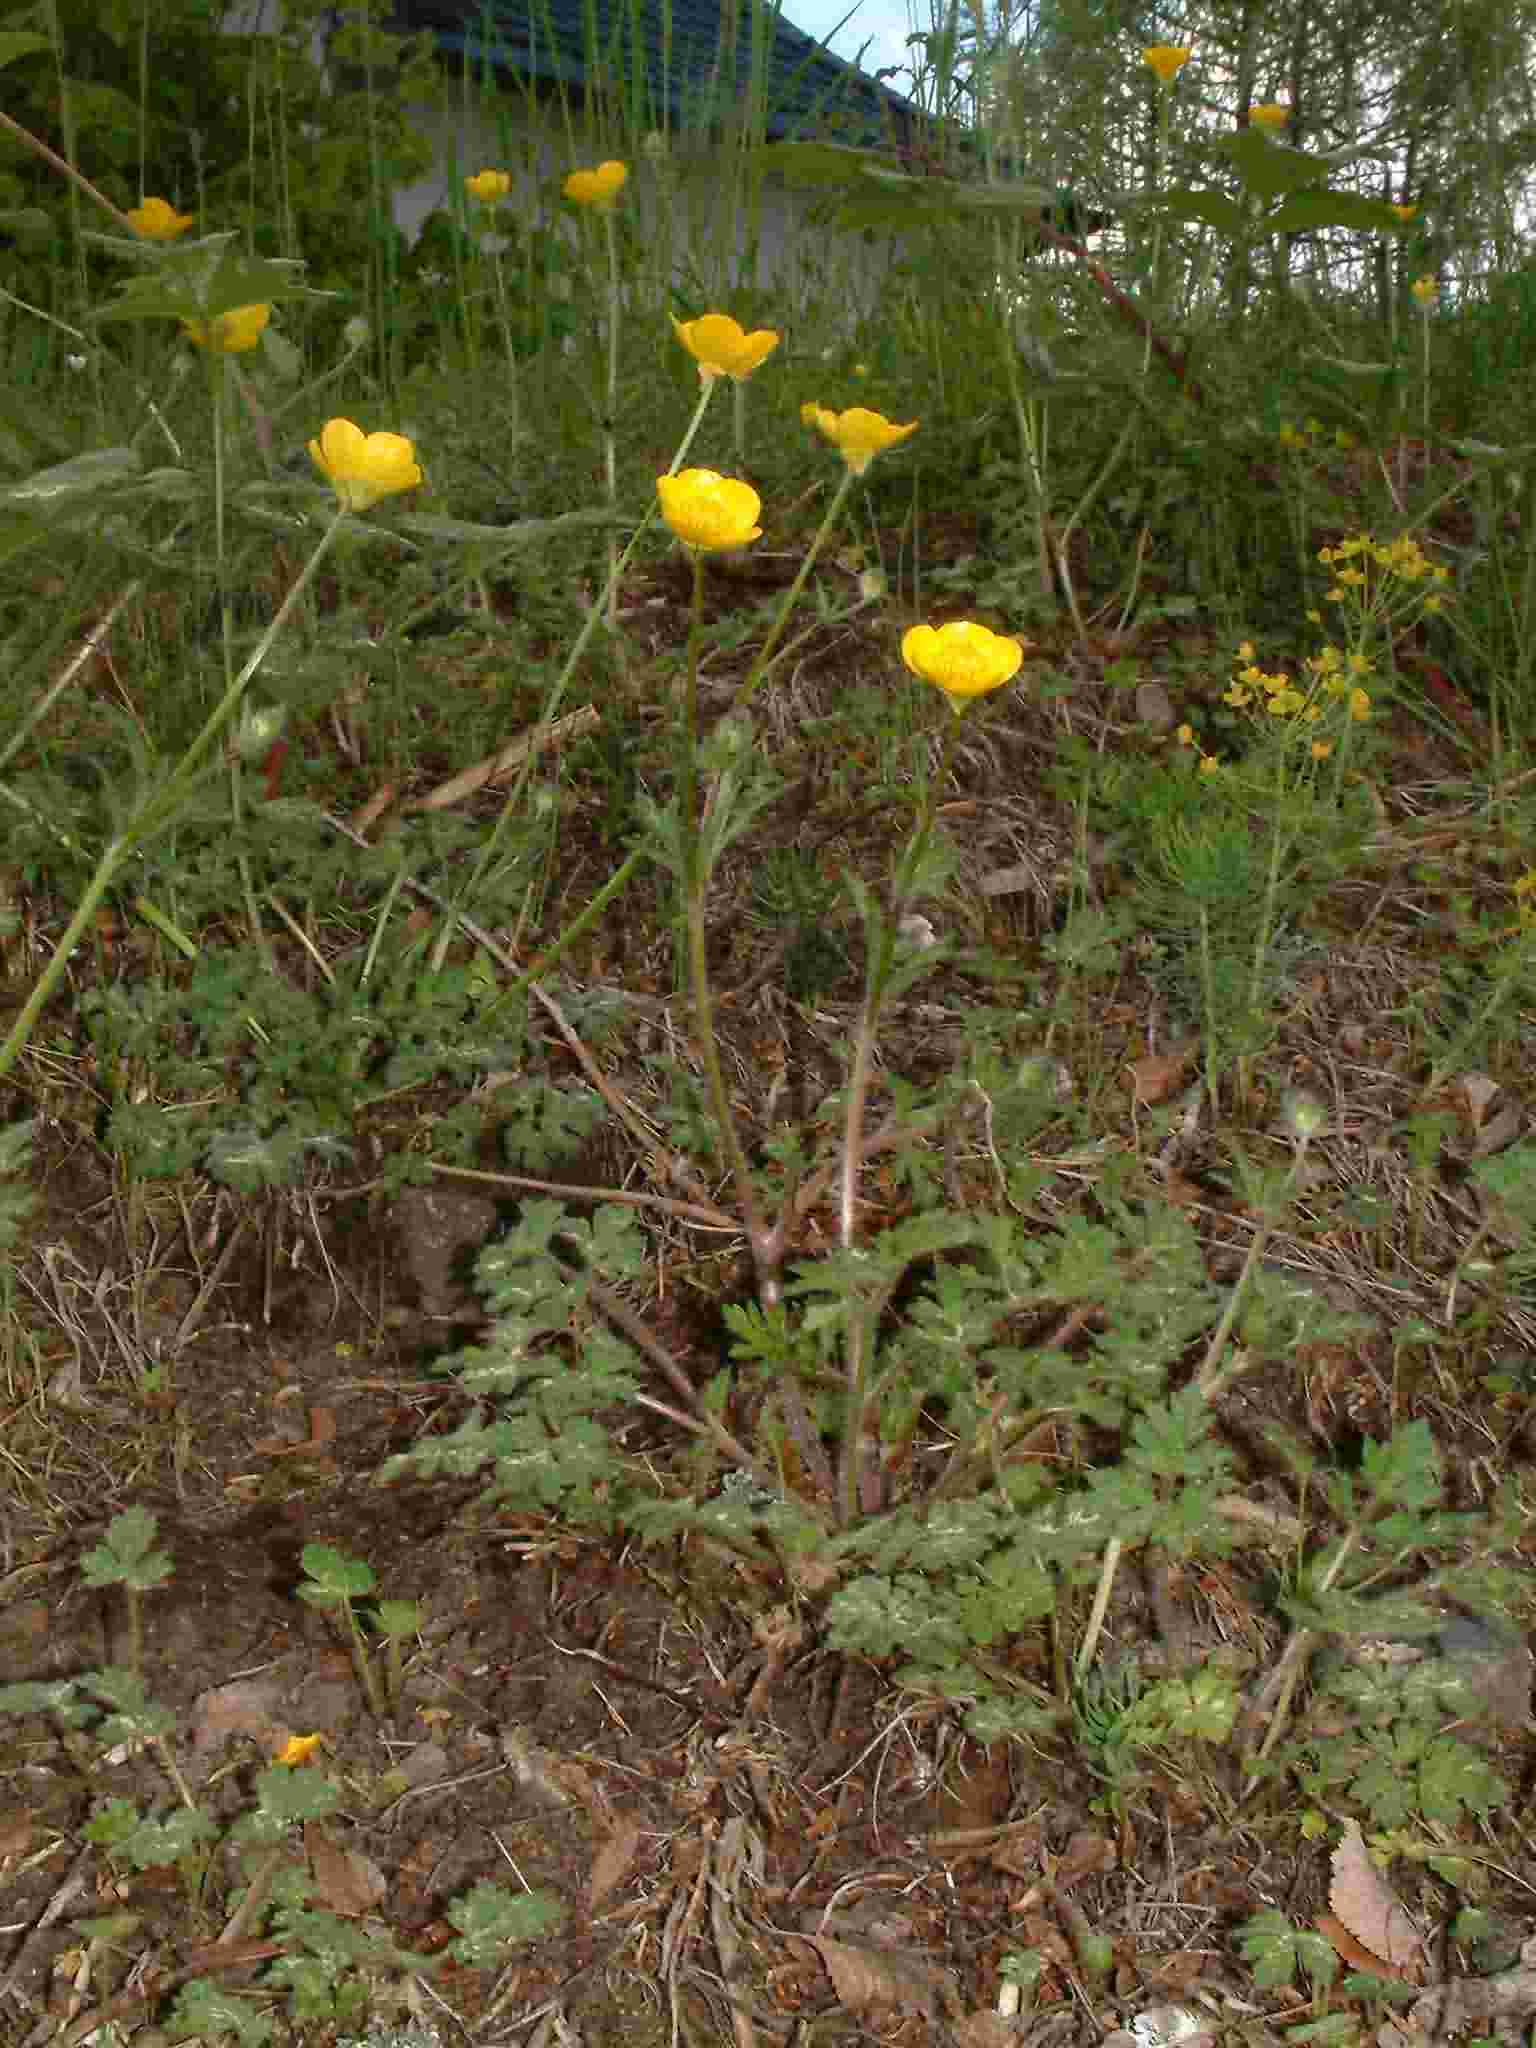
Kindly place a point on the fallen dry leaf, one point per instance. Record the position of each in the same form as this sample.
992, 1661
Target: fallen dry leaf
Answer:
869, 1978
1372, 1912
16, 1831
246, 1706
613, 1862
1087, 1854
349, 1884
984, 2029
1347, 1949
1156, 1076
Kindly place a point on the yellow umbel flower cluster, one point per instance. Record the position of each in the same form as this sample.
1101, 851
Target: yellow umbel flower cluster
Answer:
1353, 558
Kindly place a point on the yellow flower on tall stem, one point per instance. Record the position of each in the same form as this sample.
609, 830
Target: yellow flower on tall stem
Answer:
1405, 213
231, 333
362, 468
858, 434
722, 347
707, 511
489, 187
1426, 290
962, 659
599, 188
1167, 60
156, 220
1272, 114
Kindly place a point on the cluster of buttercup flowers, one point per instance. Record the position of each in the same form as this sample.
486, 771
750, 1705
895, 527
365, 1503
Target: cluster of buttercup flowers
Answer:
597, 188
490, 187
709, 512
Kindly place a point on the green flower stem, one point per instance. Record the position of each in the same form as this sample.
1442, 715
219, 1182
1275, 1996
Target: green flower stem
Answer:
1029, 418
1517, 961
857, 1438
156, 809
83, 655
513, 390
596, 612
1283, 1680
1424, 344
362, 1664
610, 410
695, 883
1208, 1380
216, 393
877, 976
759, 666
167, 1756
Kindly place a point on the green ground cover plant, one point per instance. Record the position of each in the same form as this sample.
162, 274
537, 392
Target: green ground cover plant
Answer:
961, 873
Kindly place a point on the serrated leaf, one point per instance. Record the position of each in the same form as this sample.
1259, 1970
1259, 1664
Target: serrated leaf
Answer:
335, 1576
1189, 202
1326, 209
18, 43
1269, 168
65, 483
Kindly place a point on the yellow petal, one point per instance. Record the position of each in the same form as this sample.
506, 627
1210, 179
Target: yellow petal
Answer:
158, 221
858, 434
1167, 60
962, 659
298, 1749
362, 468
708, 511
230, 333
598, 188
721, 346
489, 186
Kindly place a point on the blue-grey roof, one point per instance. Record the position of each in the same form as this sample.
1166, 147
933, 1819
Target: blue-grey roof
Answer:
671, 63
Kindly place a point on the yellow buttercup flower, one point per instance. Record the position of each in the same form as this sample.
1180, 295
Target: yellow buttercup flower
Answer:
962, 659
858, 434
598, 188
708, 511
298, 1749
1425, 290
1167, 60
1273, 114
231, 333
489, 186
362, 468
721, 346
158, 221
1405, 213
